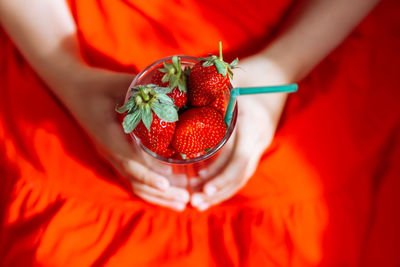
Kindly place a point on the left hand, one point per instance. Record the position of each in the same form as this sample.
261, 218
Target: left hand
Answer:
91, 95
258, 118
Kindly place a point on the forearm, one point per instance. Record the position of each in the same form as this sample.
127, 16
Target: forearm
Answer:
45, 33
313, 31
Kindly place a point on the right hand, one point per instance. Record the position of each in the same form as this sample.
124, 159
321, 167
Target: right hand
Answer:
91, 99
258, 118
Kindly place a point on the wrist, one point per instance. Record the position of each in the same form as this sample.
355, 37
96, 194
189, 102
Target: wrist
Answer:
284, 64
261, 70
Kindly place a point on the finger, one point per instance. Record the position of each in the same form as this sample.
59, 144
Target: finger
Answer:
173, 198
135, 171
119, 152
138, 172
172, 193
175, 205
231, 175
223, 186
202, 201
228, 183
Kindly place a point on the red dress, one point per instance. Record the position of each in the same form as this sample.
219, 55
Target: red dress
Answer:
325, 192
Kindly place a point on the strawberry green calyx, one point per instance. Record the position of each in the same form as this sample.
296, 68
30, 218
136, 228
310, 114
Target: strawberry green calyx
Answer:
222, 67
174, 74
142, 102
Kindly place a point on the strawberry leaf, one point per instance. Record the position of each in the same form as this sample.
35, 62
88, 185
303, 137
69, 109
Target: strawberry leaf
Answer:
167, 113
164, 99
147, 117
131, 120
230, 73
182, 86
162, 90
173, 72
208, 64
173, 82
126, 107
165, 69
221, 68
176, 61
234, 63
165, 78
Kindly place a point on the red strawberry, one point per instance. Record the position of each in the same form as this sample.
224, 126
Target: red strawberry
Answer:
151, 115
198, 129
179, 97
221, 102
208, 78
159, 136
172, 76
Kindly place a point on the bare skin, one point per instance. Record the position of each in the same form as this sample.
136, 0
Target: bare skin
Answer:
46, 35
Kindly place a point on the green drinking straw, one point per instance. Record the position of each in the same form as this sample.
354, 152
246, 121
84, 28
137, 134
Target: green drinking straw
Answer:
290, 88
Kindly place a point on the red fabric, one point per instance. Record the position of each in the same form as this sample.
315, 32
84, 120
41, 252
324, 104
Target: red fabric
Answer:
325, 191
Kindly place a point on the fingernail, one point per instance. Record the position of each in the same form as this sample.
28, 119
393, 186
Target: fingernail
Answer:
210, 190
182, 197
203, 207
197, 200
162, 184
180, 207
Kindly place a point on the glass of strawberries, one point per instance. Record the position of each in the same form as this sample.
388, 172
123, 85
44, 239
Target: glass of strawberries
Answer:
174, 112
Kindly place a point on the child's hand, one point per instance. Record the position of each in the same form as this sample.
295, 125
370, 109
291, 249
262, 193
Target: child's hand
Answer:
92, 100
258, 118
